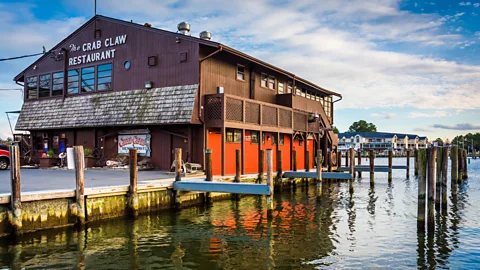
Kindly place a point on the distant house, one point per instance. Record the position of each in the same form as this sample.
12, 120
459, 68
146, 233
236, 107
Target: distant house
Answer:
380, 141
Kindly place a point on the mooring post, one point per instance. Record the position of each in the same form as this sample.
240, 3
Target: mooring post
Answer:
278, 179
307, 161
465, 166
408, 163
390, 165
372, 166
178, 176
261, 166
432, 156
438, 183
339, 159
422, 185
444, 179
352, 170
460, 169
347, 154
238, 167
415, 162
270, 182
318, 177
454, 170
80, 184
294, 160
208, 172
359, 160
132, 201
15, 216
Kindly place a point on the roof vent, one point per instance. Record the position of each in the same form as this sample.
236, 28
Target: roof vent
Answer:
184, 28
206, 35
147, 25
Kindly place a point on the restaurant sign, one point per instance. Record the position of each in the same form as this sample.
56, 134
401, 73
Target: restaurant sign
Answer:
141, 142
92, 50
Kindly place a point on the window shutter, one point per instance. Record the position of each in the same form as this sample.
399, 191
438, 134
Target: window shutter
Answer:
183, 57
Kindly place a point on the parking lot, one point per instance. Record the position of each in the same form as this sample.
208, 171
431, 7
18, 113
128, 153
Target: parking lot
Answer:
40, 179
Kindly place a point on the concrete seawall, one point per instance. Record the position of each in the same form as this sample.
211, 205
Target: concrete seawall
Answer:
54, 209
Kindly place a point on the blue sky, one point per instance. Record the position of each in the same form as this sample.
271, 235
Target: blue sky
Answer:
407, 66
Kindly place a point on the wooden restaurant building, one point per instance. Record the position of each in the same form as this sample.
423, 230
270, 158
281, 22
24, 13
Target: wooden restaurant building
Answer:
113, 84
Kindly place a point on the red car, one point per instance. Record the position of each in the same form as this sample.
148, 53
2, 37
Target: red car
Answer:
4, 157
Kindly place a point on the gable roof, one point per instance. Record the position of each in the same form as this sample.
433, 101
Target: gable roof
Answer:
130, 24
190, 38
167, 105
376, 135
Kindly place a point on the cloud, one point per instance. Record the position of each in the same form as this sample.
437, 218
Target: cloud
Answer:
465, 3
422, 130
384, 115
476, 5
428, 115
463, 126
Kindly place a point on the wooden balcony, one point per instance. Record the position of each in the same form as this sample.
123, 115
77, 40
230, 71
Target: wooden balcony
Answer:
223, 110
304, 104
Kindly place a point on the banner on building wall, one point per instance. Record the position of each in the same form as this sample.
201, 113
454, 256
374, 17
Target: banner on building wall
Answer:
141, 142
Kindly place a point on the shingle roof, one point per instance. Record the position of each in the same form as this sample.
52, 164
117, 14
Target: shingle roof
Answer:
165, 105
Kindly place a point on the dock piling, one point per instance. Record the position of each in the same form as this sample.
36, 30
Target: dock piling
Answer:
80, 184
15, 216
339, 159
278, 180
390, 165
132, 201
438, 183
352, 170
408, 164
454, 170
415, 162
422, 185
372, 166
359, 162
347, 154
238, 173
178, 176
460, 165
270, 182
208, 172
261, 165
307, 161
444, 179
319, 172
465, 166
432, 156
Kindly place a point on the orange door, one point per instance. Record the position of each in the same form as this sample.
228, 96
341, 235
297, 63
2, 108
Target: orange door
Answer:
251, 153
215, 144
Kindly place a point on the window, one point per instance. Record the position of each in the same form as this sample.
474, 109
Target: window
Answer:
73, 81
280, 87
152, 61
183, 57
57, 84
281, 140
307, 95
88, 79
127, 65
298, 91
271, 82
241, 72
104, 77
32, 87
303, 94
289, 87
263, 80
44, 86
327, 105
234, 135
254, 137
317, 98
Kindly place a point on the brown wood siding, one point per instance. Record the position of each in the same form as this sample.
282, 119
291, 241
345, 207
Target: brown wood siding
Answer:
140, 44
221, 70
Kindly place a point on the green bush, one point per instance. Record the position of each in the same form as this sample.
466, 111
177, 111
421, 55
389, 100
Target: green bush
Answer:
88, 152
51, 154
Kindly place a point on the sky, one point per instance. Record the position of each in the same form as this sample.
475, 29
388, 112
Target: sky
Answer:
406, 66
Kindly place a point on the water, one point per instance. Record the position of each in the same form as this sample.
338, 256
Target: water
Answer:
374, 228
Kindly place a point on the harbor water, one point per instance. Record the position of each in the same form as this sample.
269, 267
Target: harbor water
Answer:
373, 228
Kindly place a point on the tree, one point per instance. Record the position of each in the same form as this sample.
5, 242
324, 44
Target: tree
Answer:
439, 141
335, 130
362, 126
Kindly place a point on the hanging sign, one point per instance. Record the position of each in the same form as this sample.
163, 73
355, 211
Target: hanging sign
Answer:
140, 142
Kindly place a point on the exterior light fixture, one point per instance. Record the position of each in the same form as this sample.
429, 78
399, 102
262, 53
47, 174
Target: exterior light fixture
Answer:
148, 84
